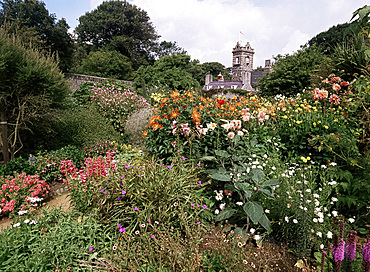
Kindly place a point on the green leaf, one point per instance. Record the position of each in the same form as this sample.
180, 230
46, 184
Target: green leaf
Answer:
268, 191
254, 210
243, 186
258, 176
271, 182
229, 187
222, 153
265, 222
208, 158
221, 176
225, 214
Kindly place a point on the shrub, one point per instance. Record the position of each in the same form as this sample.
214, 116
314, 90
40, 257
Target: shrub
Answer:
136, 124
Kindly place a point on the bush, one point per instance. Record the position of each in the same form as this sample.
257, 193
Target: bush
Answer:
83, 125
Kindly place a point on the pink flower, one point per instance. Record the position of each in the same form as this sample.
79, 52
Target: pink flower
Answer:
336, 87
334, 99
231, 135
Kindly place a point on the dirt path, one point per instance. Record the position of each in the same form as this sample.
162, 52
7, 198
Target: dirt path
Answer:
59, 198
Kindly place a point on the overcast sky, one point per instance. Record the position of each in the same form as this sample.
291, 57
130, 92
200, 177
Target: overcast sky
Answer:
209, 29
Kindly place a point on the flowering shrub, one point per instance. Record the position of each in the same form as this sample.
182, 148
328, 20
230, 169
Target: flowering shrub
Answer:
21, 192
83, 183
117, 104
196, 125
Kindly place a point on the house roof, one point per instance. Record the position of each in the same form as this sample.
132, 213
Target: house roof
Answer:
225, 84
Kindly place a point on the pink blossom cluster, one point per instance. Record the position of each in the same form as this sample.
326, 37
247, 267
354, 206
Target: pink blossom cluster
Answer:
116, 101
18, 190
183, 128
247, 115
93, 168
337, 86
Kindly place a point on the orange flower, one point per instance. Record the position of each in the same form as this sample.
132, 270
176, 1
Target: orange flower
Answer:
232, 108
174, 113
175, 94
145, 133
156, 126
152, 120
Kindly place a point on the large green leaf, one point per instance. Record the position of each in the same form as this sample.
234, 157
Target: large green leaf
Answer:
271, 182
254, 210
222, 153
243, 186
258, 176
265, 222
225, 214
267, 190
221, 176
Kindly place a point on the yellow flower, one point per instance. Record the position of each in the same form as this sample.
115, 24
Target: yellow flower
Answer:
285, 117
319, 122
314, 124
335, 120
299, 122
326, 127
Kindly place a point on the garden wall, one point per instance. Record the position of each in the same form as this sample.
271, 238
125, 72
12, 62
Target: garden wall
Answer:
75, 80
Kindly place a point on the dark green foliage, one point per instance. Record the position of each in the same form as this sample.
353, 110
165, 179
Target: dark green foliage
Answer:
104, 63
168, 48
120, 26
18, 165
170, 70
326, 41
33, 14
82, 125
291, 73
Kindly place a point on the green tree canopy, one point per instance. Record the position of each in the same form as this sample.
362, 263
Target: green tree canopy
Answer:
174, 71
33, 14
122, 27
30, 85
292, 73
103, 63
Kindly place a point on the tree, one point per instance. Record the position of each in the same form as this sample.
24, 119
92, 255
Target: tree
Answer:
168, 48
33, 14
122, 27
215, 68
327, 40
170, 70
103, 63
292, 73
31, 85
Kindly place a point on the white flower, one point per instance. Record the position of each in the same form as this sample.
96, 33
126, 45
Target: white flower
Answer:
295, 221
257, 237
320, 214
16, 225
333, 164
334, 199
323, 166
322, 246
329, 235
286, 219
316, 196
319, 234
26, 221
33, 222
314, 220
239, 203
321, 220
217, 211
351, 220
267, 211
252, 230
335, 213
22, 212
273, 168
222, 206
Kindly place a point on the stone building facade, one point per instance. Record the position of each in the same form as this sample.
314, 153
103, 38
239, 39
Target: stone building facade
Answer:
243, 76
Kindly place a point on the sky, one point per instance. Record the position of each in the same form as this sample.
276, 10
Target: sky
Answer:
209, 29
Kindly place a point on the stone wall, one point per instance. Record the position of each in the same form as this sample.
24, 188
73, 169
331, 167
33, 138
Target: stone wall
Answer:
75, 80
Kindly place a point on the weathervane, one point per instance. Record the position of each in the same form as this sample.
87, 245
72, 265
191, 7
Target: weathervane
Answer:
240, 33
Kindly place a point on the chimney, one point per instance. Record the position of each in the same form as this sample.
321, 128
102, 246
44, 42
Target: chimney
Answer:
220, 77
209, 78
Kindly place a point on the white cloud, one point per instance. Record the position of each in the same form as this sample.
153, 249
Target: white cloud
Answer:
209, 29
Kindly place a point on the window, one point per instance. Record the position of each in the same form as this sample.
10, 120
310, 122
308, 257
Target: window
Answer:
237, 60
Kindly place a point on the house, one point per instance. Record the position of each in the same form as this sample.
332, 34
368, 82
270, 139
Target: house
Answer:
243, 76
